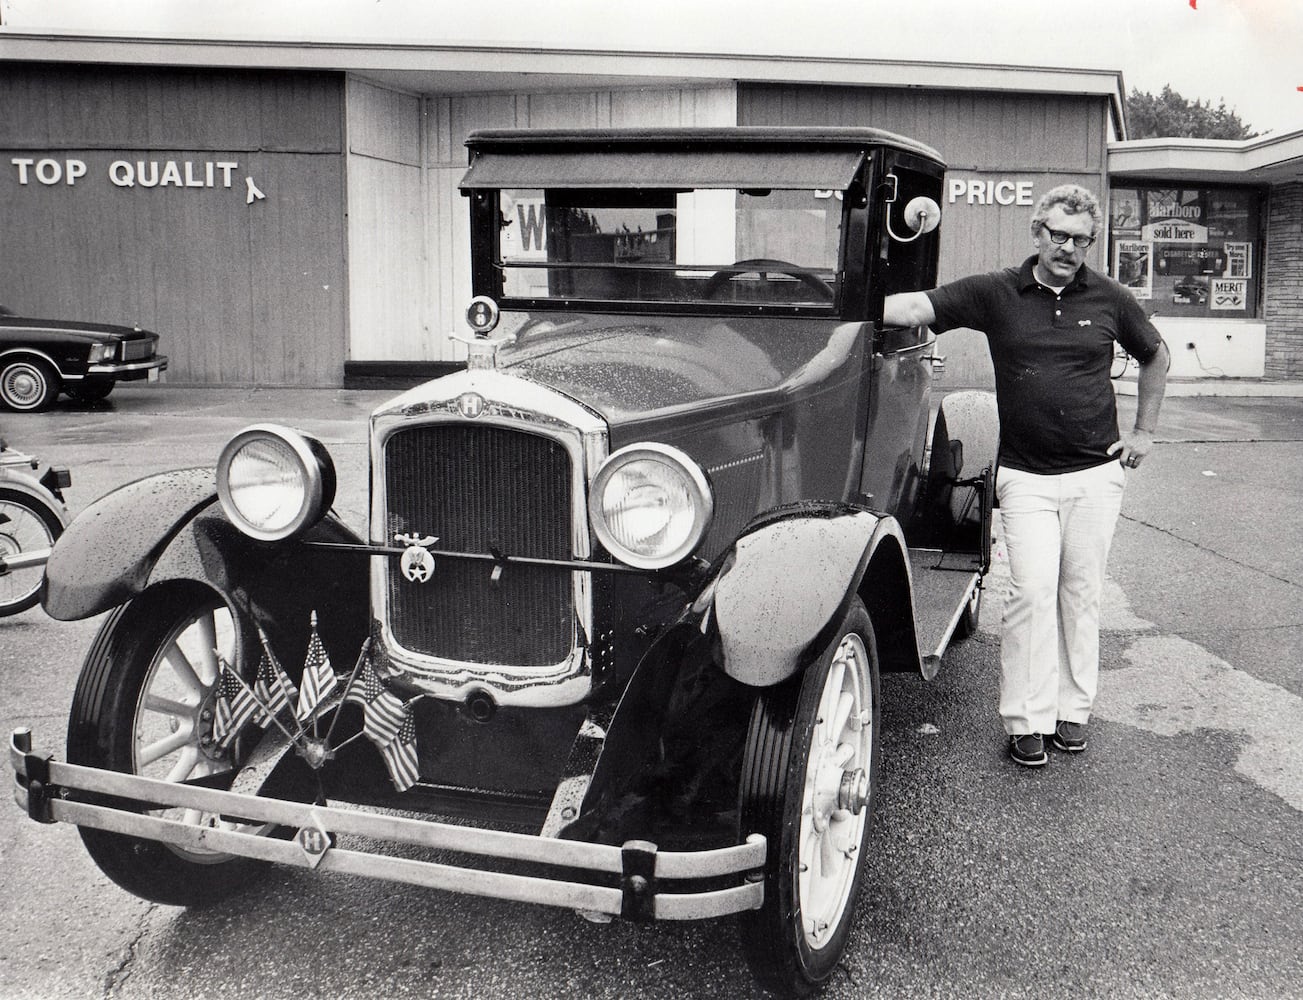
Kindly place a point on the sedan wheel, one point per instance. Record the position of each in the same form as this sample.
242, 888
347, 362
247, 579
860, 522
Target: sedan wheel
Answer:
28, 385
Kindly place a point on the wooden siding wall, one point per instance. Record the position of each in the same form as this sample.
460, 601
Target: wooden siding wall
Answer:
1039, 138
389, 266
240, 293
408, 227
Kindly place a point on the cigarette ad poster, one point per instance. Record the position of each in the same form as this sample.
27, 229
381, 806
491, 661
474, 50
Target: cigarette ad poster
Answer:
1239, 260
1228, 294
1133, 266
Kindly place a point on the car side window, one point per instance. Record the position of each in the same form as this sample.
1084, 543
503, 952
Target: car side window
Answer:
906, 259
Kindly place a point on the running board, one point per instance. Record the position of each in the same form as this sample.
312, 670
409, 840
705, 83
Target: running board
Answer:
943, 584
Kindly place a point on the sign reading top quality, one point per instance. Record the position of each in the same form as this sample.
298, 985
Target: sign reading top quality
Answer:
129, 173
141, 173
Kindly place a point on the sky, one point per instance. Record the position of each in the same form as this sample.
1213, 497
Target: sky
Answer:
1245, 53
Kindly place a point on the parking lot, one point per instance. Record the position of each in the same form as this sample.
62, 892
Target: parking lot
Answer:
1167, 861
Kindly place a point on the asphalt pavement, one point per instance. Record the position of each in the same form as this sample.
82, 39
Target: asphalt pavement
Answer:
1167, 861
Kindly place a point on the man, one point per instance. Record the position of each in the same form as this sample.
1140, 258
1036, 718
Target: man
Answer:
1051, 325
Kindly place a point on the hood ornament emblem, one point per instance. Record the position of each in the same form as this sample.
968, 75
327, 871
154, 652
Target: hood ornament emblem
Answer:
416, 563
482, 350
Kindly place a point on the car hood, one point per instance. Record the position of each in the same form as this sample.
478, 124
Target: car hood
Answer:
73, 328
634, 368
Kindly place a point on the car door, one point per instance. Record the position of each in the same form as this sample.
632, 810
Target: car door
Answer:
902, 364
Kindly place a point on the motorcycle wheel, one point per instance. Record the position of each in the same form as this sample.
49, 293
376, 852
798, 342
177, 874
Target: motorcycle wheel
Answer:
26, 525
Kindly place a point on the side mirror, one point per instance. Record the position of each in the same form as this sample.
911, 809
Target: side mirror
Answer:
922, 214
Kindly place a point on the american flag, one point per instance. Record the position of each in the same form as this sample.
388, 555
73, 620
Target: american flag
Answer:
383, 712
318, 675
273, 687
400, 754
234, 708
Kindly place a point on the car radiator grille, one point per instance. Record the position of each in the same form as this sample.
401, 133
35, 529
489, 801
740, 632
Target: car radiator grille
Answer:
477, 488
137, 350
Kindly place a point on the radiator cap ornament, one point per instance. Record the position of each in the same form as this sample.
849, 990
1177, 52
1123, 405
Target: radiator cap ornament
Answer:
482, 315
482, 350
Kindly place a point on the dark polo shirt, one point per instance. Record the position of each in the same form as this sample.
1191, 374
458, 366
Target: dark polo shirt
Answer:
1052, 355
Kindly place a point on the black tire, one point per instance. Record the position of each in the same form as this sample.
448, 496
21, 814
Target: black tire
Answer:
26, 525
89, 392
795, 940
28, 385
966, 627
130, 704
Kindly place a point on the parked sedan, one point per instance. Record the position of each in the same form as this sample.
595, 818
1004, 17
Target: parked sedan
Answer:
39, 358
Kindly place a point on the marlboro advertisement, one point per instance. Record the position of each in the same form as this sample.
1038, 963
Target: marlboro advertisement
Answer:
1188, 251
1131, 266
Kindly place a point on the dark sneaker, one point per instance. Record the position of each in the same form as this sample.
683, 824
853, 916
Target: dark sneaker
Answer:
1028, 750
1069, 736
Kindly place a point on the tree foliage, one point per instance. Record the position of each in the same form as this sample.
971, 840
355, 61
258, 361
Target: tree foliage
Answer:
1170, 114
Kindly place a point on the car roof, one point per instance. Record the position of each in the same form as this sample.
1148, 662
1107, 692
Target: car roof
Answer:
740, 156
734, 135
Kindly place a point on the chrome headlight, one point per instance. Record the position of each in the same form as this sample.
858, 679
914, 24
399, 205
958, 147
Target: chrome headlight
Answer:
101, 352
650, 505
274, 482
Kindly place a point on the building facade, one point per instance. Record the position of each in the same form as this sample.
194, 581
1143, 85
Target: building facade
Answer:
288, 224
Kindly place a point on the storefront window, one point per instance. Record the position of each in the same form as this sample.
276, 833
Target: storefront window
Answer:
1187, 251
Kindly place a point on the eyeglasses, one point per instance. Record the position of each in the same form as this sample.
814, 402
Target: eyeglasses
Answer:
1080, 242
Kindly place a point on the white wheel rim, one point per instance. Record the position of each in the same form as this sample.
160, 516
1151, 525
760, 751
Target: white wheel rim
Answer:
172, 732
21, 530
23, 386
841, 749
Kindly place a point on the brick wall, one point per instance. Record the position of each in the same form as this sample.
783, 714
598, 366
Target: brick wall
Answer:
1283, 299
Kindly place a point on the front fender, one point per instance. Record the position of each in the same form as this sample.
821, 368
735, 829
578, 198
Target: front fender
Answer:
106, 556
169, 527
787, 582
31, 486
672, 756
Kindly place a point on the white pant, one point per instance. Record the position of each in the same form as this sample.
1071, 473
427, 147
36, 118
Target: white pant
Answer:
1057, 532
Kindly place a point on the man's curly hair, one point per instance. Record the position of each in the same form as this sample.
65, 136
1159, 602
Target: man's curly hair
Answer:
1074, 199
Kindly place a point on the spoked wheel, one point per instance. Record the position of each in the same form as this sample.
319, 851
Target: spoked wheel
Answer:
144, 705
26, 525
809, 777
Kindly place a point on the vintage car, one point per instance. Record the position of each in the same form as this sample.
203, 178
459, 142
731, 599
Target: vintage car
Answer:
32, 516
616, 625
40, 358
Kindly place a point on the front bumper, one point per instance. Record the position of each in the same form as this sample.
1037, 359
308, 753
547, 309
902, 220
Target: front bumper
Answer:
129, 371
642, 882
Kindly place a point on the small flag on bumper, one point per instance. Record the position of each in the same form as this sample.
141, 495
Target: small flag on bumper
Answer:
388, 723
318, 676
273, 687
400, 754
234, 707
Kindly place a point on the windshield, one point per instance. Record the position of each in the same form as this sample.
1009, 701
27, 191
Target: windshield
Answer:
708, 246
